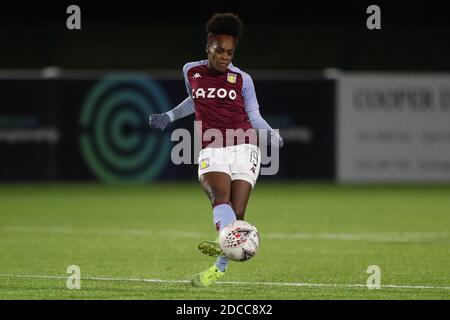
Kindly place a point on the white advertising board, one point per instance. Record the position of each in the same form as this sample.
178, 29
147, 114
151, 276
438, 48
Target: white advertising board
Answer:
393, 127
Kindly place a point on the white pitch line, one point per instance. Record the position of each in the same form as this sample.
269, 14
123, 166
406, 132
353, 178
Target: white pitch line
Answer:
107, 232
285, 284
371, 237
405, 237
93, 278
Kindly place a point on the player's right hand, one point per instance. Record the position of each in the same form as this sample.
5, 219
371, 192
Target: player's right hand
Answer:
159, 121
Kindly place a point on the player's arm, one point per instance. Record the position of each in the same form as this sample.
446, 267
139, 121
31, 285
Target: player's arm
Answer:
252, 109
184, 109
161, 121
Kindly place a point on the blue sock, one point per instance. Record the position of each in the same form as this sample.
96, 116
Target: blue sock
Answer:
223, 216
222, 263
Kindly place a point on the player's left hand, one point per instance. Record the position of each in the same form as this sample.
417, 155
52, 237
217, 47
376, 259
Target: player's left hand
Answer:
273, 138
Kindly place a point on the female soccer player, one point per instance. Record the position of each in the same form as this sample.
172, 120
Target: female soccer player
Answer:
225, 105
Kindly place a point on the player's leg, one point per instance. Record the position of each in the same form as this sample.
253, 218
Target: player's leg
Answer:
215, 178
240, 194
217, 186
244, 173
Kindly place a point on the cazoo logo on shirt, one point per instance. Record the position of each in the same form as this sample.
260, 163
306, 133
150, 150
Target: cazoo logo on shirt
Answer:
211, 93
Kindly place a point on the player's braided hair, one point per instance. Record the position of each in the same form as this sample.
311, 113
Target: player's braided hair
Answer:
224, 23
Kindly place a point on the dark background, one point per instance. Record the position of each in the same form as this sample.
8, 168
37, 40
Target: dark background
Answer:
287, 35
58, 103
286, 47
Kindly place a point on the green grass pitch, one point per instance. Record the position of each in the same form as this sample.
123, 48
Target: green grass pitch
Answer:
139, 242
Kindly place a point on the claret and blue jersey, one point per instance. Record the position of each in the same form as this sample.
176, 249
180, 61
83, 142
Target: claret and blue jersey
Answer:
222, 100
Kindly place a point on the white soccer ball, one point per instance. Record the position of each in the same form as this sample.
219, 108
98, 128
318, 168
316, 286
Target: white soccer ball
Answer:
239, 240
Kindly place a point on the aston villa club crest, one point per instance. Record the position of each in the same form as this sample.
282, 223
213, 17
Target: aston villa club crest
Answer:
204, 163
231, 77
